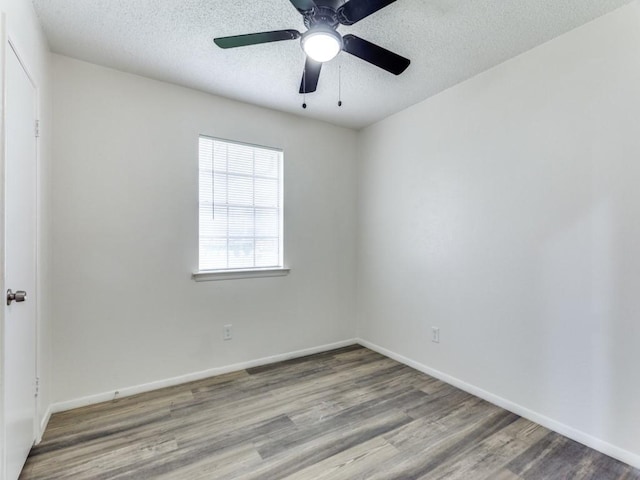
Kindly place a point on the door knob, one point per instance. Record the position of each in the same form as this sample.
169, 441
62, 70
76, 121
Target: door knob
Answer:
19, 296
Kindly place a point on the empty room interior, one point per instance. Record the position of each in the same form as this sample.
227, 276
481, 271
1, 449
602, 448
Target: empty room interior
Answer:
320, 239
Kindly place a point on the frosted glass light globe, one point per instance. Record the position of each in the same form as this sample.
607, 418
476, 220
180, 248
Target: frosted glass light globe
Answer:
322, 44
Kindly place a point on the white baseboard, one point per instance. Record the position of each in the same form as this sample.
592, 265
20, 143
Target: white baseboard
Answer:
43, 424
190, 377
570, 432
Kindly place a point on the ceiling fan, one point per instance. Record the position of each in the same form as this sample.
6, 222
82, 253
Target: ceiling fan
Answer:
321, 42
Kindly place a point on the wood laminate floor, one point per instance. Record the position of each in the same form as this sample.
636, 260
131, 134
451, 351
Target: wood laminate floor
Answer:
346, 414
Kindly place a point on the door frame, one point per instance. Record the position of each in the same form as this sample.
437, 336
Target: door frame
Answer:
8, 42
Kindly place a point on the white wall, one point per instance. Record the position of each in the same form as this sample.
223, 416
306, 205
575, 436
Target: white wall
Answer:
506, 211
126, 224
23, 29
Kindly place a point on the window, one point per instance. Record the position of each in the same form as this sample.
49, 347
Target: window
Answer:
240, 207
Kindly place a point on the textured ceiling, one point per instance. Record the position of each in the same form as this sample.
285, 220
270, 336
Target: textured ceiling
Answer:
447, 41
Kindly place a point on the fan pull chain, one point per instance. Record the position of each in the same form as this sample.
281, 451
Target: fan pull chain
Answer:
340, 84
304, 87
340, 75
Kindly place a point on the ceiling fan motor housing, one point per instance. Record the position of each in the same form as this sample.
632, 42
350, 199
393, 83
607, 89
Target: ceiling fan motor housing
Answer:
321, 15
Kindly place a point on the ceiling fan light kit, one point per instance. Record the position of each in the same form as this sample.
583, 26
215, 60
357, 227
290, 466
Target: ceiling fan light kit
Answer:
322, 43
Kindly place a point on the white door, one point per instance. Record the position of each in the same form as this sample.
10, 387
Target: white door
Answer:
20, 264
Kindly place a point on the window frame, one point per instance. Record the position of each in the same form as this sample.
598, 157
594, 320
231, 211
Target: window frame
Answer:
249, 272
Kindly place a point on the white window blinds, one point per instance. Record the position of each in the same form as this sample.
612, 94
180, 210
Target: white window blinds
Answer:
240, 206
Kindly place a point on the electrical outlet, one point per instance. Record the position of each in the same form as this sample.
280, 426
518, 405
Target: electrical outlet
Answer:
226, 332
435, 334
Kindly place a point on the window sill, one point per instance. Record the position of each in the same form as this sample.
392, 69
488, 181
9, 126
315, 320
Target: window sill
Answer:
208, 276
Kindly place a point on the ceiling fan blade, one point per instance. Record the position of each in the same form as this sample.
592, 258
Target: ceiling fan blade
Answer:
374, 54
303, 5
310, 76
256, 38
355, 10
